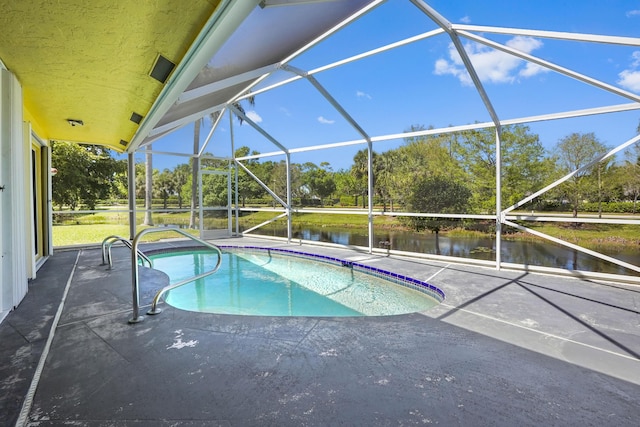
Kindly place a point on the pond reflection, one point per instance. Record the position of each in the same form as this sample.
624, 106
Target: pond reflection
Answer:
545, 254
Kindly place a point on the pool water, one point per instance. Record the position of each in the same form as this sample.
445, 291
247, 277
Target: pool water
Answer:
269, 284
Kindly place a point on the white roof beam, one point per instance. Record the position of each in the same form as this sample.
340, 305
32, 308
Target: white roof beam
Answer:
262, 184
184, 120
350, 59
447, 26
595, 38
223, 22
274, 3
451, 129
210, 88
152, 138
571, 174
334, 29
253, 124
329, 98
213, 129
376, 51
245, 92
550, 65
573, 113
573, 246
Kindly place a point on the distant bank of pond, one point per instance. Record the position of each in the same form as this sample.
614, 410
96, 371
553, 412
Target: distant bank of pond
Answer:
546, 254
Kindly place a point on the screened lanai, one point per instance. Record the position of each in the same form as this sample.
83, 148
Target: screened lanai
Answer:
294, 90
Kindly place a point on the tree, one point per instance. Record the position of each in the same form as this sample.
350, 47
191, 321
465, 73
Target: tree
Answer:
318, 180
121, 183
345, 183
180, 178
384, 172
165, 186
574, 152
436, 194
360, 172
524, 164
69, 159
277, 179
214, 190
247, 186
630, 171
86, 174
420, 157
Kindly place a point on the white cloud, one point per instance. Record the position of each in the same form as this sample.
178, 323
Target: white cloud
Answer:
491, 65
325, 121
632, 13
255, 117
531, 69
524, 44
361, 94
630, 78
465, 19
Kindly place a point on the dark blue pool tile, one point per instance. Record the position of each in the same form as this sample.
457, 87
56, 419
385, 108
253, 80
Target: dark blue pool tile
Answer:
400, 279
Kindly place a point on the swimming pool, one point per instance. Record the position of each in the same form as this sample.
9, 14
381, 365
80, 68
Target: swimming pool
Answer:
280, 282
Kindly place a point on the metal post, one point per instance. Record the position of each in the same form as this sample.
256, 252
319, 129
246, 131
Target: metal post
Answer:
288, 162
499, 213
370, 191
201, 215
235, 167
136, 317
229, 203
131, 178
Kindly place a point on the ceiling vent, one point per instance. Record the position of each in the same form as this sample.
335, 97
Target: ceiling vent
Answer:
162, 69
123, 143
136, 118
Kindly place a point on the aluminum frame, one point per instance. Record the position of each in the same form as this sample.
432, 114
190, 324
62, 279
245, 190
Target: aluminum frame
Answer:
455, 32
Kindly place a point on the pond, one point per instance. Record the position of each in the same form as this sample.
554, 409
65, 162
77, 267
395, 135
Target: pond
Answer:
545, 254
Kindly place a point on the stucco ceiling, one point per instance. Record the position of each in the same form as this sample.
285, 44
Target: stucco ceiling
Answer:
90, 60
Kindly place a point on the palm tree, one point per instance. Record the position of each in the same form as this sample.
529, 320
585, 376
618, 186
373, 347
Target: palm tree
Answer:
360, 171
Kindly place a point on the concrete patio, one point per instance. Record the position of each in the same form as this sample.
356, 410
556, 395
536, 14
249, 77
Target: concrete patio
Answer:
505, 348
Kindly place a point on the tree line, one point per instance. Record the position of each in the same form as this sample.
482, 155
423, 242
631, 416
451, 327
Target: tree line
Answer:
447, 173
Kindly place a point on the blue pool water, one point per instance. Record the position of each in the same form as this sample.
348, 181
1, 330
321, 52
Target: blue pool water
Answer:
268, 283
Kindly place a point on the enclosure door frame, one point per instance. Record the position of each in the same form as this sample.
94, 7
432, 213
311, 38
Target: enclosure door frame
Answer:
214, 234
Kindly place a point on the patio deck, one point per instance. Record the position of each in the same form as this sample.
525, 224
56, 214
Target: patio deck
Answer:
505, 348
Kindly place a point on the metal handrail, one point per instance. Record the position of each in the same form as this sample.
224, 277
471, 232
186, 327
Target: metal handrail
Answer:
134, 271
106, 250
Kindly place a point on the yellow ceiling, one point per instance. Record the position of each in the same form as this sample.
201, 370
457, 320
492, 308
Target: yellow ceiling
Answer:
90, 60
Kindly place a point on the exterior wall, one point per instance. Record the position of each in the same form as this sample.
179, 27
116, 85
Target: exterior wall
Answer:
14, 199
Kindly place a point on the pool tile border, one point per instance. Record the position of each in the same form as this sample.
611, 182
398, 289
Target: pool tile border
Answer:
400, 279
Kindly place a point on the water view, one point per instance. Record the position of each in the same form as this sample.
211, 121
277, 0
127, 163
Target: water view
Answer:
546, 254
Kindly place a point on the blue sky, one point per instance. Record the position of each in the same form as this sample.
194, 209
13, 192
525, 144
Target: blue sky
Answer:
424, 83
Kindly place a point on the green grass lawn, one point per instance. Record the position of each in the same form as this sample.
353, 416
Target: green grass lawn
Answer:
590, 236
93, 228
66, 235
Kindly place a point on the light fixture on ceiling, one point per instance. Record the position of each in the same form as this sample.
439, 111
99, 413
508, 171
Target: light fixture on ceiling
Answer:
75, 122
